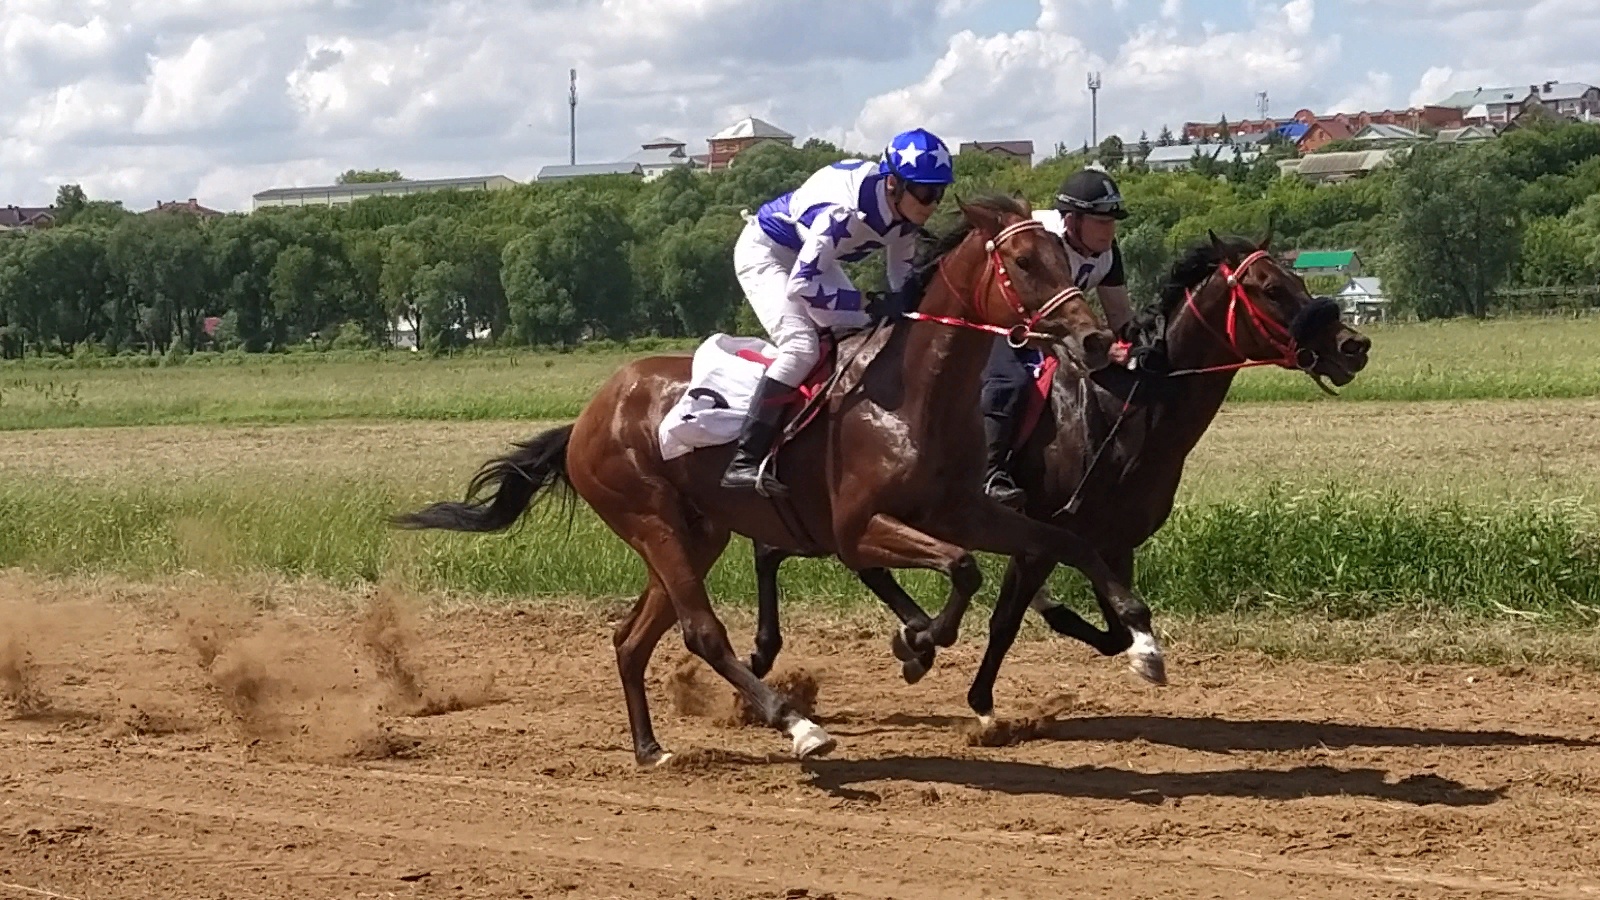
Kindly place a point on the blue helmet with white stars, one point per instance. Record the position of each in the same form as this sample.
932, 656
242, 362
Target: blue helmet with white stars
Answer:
919, 157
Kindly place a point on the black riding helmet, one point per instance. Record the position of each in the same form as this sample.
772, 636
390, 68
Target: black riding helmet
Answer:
1090, 191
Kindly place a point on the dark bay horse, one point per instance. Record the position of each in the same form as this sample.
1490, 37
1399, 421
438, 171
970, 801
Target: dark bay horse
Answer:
888, 477
1107, 463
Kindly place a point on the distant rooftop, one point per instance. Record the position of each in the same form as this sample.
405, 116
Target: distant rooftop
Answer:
379, 185
555, 173
751, 127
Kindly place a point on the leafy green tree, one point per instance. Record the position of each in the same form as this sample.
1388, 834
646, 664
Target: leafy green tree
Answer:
1455, 234
368, 176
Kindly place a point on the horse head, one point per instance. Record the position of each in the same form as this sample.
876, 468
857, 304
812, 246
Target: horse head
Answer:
1264, 314
1008, 272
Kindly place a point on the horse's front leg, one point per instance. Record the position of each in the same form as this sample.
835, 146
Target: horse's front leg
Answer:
885, 542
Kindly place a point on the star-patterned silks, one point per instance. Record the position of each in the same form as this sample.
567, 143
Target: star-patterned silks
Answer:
838, 229
807, 270
908, 156
819, 298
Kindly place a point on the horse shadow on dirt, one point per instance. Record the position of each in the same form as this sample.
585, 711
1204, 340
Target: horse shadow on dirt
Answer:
1211, 734
839, 778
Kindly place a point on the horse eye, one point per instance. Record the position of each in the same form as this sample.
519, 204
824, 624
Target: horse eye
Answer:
1025, 263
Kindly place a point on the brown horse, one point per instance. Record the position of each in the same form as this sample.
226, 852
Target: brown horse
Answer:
888, 477
1107, 463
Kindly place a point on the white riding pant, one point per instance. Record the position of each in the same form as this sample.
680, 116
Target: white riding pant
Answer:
763, 267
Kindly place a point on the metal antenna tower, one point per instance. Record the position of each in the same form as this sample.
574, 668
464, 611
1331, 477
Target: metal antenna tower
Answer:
1094, 108
572, 104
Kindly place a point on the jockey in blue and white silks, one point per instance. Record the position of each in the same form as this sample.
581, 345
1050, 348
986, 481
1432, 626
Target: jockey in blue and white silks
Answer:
789, 262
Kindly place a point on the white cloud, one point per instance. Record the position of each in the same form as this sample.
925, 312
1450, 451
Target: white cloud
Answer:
1031, 83
142, 100
1376, 92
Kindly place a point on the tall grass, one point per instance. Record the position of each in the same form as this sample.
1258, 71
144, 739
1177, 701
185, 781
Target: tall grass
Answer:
1328, 551
1524, 358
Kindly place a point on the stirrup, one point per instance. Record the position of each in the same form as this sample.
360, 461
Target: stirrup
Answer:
767, 483
1000, 488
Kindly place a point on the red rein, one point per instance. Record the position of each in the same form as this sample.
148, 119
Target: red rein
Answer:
1275, 334
1018, 335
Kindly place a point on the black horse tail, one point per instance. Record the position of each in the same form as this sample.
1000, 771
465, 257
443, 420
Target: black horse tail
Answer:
536, 464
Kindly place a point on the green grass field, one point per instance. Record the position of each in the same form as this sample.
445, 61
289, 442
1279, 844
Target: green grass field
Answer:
1459, 475
1516, 359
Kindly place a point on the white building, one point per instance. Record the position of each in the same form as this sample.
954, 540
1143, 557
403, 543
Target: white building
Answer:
1362, 301
660, 156
338, 194
1180, 157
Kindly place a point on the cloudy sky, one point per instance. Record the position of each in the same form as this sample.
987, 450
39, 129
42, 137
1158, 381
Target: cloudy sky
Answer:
141, 100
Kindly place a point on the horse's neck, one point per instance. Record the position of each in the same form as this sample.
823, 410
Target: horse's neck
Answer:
942, 365
1185, 405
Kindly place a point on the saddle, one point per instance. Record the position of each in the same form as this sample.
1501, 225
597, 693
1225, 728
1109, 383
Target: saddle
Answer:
839, 351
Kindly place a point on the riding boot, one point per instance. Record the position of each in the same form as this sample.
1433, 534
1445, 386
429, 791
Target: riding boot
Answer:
762, 425
997, 483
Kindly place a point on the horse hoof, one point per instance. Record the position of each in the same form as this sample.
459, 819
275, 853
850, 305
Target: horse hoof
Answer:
810, 740
912, 670
1146, 660
657, 760
902, 647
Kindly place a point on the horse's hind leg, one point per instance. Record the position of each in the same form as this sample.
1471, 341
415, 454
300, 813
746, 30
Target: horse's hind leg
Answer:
769, 637
681, 554
1128, 625
635, 639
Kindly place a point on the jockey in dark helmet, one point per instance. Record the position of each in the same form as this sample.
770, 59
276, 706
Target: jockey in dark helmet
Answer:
1087, 209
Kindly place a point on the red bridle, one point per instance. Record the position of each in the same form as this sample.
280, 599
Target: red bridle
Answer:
1018, 335
1269, 328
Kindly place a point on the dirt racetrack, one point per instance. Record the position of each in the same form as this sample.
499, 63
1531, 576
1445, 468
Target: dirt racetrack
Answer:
176, 744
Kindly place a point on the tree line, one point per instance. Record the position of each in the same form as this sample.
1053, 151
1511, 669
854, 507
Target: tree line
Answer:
553, 264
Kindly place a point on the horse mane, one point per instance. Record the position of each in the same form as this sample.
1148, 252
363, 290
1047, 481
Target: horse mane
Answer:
1196, 265
926, 264
1188, 270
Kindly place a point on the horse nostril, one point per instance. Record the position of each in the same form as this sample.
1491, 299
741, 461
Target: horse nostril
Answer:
1355, 346
1096, 345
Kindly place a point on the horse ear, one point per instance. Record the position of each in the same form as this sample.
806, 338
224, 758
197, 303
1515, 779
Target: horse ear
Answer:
987, 221
1266, 241
1216, 242
1022, 201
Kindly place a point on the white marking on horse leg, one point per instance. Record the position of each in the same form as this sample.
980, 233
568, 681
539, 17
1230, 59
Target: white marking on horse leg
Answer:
986, 722
1146, 659
810, 740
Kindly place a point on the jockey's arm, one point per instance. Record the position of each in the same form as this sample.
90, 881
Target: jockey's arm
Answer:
1113, 294
817, 281
899, 256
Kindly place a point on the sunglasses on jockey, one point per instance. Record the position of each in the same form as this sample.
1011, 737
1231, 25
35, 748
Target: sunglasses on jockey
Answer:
926, 194
1108, 207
